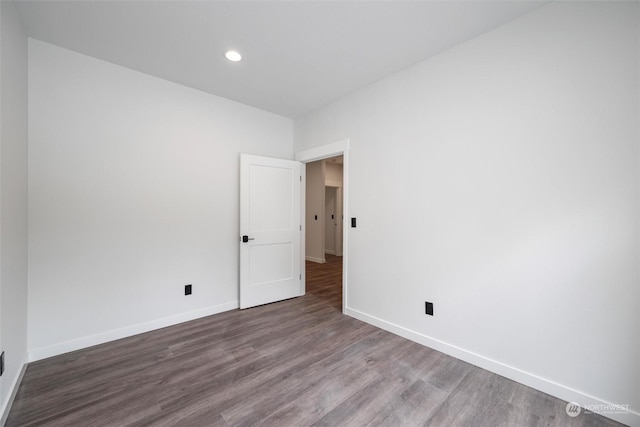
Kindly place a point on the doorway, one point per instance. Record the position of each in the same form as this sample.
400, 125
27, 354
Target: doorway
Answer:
324, 230
329, 272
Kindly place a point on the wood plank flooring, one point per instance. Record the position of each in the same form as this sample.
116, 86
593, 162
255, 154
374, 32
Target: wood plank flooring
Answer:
325, 280
298, 362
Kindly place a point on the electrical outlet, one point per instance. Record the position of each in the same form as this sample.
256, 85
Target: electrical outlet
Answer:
428, 308
187, 289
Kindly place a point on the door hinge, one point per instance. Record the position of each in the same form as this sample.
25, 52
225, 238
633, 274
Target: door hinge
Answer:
301, 228
301, 277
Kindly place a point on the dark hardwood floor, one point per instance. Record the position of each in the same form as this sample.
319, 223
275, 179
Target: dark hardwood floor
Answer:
298, 362
325, 280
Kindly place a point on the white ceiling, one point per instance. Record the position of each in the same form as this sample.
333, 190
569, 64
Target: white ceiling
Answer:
298, 55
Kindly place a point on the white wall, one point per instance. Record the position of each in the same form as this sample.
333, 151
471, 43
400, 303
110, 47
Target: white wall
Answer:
134, 193
13, 200
314, 205
510, 194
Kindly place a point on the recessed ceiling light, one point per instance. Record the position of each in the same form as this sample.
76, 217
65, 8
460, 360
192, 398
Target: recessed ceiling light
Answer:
233, 56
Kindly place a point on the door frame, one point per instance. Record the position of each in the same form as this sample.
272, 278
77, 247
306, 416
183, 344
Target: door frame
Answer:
339, 148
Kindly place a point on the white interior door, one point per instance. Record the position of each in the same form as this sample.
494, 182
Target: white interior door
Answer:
270, 230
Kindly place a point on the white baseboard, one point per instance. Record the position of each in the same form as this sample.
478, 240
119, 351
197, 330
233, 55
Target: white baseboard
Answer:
318, 260
88, 341
628, 417
6, 405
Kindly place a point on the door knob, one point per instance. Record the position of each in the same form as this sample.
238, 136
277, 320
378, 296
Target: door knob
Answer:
245, 239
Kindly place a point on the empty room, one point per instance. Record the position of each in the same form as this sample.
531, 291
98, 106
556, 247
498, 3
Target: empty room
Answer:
339, 213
